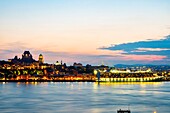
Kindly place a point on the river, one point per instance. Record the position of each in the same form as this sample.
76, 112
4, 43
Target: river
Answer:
84, 97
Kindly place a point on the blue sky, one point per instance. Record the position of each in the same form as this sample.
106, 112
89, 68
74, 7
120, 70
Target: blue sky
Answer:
74, 30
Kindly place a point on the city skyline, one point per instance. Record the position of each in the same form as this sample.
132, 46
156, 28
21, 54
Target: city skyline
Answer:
90, 32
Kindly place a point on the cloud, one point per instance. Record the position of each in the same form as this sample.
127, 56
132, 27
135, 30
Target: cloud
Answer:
151, 50
70, 58
162, 43
144, 57
9, 50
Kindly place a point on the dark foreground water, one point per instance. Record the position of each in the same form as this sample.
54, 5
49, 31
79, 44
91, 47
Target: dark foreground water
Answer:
84, 97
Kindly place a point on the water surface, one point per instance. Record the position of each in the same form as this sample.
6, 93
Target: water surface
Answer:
86, 97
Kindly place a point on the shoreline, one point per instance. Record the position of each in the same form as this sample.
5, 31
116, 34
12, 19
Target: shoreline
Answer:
47, 80
78, 81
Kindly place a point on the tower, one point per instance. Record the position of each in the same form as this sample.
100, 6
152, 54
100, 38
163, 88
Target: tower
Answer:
41, 59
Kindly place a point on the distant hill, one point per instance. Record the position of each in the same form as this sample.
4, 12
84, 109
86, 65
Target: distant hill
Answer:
156, 67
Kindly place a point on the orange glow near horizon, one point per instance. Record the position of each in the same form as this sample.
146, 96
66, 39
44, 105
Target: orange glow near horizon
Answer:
144, 57
79, 28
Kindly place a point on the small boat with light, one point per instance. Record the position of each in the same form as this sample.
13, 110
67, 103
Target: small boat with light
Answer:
123, 111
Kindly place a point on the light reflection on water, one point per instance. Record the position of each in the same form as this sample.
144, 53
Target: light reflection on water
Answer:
80, 97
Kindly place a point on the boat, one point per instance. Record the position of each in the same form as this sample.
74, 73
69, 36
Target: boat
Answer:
130, 79
126, 76
123, 111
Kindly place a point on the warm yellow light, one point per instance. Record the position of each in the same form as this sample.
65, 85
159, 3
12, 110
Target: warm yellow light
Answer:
95, 72
154, 112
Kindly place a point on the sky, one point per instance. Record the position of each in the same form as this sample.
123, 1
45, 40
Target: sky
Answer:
87, 31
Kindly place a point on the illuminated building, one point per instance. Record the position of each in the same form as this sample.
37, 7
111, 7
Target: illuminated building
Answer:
41, 59
27, 57
58, 63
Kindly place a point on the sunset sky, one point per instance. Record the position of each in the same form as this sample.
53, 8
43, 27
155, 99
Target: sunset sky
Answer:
87, 31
